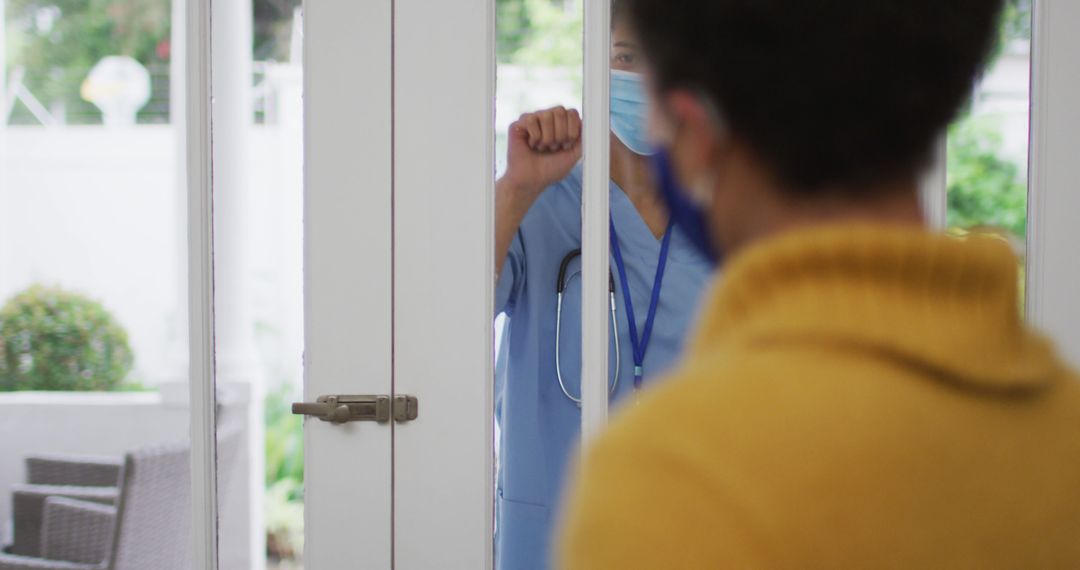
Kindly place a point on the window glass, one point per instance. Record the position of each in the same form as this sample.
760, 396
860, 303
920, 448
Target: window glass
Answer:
988, 145
93, 226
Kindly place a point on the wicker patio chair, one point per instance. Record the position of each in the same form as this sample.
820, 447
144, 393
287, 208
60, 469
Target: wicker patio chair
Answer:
142, 523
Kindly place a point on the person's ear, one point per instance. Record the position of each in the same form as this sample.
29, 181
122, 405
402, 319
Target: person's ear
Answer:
680, 122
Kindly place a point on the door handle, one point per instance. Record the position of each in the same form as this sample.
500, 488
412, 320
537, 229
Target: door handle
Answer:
341, 409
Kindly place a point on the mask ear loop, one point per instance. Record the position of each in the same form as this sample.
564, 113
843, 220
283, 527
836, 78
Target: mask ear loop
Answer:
688, 205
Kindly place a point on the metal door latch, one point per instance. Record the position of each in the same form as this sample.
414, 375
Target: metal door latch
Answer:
342, 409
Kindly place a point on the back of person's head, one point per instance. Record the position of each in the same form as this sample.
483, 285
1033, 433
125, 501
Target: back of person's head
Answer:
826, 93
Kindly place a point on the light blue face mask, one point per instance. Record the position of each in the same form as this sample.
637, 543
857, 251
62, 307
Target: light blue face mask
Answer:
629, 106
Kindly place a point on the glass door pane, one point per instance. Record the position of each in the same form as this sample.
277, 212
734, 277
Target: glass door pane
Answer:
987, 164
538, 130
258, 213
539, 327
93, 345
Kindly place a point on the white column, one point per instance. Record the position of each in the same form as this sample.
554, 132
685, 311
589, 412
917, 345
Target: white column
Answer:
204, 539
238, 371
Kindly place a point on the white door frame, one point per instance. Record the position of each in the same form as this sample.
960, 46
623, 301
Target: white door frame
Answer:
595, 236
200, 328
1053, 274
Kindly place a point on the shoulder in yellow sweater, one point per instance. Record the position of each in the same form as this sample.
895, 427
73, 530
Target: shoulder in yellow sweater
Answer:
856, 397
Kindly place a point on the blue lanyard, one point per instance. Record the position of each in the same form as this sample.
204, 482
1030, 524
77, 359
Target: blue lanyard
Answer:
639, 346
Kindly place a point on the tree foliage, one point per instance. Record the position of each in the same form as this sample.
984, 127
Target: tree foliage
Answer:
273, 28
1016, 20
59, 41
984, 188
539, 32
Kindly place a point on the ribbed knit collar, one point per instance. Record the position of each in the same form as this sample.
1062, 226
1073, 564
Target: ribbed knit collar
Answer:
942, 304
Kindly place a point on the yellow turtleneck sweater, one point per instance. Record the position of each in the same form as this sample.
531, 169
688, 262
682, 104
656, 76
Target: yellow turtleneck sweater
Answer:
856, 397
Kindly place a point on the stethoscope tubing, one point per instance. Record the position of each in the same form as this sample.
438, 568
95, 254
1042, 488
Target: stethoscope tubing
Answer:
559, 288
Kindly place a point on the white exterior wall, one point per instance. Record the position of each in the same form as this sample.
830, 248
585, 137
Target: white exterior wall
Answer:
94, 210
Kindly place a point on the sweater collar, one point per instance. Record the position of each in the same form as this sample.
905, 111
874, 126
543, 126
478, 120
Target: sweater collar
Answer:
930, 301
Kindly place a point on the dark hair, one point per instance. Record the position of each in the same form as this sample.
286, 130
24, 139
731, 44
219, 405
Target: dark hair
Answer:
618, 11
827, 93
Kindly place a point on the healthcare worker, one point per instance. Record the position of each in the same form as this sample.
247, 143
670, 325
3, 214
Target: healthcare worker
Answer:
656, 274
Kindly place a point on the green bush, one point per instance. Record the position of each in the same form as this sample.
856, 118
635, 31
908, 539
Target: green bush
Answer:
284, 497
538, 32
51, 339
284, 439
284, 521
985, 189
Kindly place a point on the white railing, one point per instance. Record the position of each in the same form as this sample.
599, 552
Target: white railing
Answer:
274, 86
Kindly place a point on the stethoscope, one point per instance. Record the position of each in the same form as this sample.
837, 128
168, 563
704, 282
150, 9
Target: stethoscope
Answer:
559, 288
639, 343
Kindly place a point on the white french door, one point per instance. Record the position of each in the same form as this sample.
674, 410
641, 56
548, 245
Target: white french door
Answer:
399, 153
347, 273
399, 111
399, 108
399, 115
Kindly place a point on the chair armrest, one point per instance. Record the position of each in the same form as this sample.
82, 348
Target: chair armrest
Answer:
14, 562
73, 470
28, 508
77, 531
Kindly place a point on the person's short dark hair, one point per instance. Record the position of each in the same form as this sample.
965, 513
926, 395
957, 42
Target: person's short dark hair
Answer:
827, 93
618, 11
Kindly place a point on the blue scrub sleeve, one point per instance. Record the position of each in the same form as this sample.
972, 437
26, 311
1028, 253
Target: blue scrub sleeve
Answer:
512, 277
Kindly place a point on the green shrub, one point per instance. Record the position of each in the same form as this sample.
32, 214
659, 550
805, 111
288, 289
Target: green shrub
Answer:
284, 521
51, 339
985, 189
284, 499
284, 440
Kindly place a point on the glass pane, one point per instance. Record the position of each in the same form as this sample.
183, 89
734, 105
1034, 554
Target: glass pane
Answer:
988, 146
258, 198
93, 239
538, 216
538, 356
654, 267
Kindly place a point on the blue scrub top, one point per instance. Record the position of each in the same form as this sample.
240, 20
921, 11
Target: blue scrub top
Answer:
539, 425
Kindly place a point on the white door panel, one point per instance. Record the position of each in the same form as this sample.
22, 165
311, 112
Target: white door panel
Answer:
347, 277
443, 281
